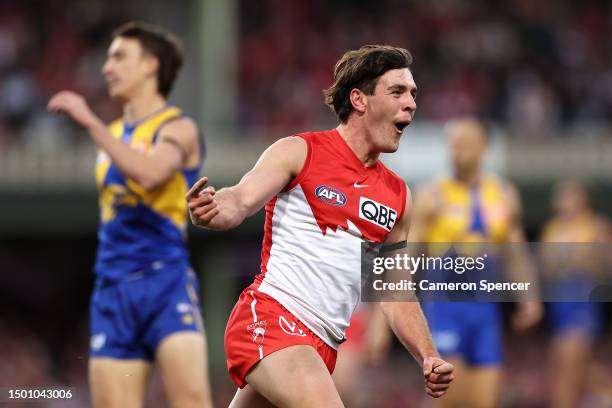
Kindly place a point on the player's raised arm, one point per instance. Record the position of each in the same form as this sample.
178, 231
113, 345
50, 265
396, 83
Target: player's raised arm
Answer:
409, 325
176, 147
228, 207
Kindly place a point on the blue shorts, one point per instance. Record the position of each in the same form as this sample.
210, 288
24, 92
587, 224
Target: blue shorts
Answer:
471, 331
129, 318
580, 317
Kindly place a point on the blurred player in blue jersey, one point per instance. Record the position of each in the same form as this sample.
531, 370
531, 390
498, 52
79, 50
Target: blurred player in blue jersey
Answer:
145, 306
470, 206
575, 325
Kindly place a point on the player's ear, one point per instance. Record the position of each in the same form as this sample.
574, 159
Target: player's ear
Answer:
358, 100
152, 64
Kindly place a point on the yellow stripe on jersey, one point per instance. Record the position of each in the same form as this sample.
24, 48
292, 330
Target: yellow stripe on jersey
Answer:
167, 200
585, 228
455, 213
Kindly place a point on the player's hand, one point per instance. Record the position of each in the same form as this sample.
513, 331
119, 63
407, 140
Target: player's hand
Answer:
201, 202
75, 106
527, 315
438, 376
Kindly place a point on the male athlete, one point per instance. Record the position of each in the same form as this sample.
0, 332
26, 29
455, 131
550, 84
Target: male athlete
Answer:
575, 325
321, 190
470, 206
145, 305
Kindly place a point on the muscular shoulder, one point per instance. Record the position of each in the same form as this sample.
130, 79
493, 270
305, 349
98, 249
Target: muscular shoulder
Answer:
290, 144
290, 151
184, 129
182, 132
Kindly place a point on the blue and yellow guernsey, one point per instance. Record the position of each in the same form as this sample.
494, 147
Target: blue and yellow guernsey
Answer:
140, 229
467, 323
465, 213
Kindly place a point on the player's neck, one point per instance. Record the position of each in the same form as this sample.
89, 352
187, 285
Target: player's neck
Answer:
469, 177
573, 216
141, 106
356, 139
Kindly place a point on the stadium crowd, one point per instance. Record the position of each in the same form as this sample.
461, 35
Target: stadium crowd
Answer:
46, 46
547, 62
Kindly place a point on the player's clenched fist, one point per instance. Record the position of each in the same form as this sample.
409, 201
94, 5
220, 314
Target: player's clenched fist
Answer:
75, 106
201, 203
438, 376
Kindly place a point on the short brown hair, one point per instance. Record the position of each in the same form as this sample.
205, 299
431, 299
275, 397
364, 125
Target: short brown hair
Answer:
165, 46
361, 69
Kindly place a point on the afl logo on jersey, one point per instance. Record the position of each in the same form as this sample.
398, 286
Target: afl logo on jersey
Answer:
330, 195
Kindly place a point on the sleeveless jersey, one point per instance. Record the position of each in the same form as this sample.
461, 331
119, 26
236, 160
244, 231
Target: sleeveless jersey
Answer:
464, 214
470, 214
585, 228
140, 229
314, 230
572, 256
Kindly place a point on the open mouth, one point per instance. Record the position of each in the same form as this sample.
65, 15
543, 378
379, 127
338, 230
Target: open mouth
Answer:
110, 81
400, 126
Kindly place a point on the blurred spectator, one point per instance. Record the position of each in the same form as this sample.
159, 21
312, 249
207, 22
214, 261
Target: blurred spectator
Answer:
48, 46
535, 65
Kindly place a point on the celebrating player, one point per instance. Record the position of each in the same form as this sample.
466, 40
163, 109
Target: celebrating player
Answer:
145, 305
282, 335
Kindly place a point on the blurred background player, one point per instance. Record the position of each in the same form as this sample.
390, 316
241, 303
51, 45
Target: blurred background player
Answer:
145, 305
575, 325
470, 206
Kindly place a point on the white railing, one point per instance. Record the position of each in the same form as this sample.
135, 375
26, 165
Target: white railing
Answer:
422, 154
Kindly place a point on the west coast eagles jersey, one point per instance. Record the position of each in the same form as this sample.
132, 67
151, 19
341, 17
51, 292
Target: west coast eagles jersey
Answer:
140, 229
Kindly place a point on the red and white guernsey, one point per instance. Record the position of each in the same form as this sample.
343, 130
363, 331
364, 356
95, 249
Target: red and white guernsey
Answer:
314, 230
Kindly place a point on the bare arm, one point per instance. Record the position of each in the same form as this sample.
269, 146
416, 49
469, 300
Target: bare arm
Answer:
424, 210
177, 144
420, 215
409, 325
228, 207
405, 318
378, 336
522, 267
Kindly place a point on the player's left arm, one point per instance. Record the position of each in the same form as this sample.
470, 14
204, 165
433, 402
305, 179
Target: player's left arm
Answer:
528, 311
422, 211
409, 325
177, 143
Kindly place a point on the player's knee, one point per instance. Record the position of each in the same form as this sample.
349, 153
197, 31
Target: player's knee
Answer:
317, 391
190, 398
110, 400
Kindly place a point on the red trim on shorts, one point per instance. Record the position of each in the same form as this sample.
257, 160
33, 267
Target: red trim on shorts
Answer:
259, 326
